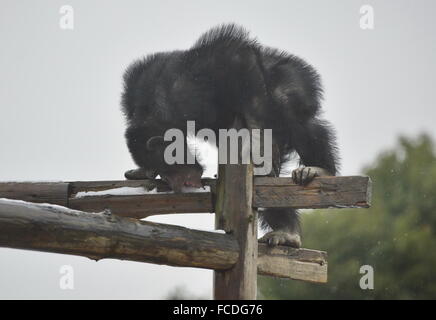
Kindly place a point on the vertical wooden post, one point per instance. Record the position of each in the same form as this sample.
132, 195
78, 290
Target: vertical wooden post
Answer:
234, 214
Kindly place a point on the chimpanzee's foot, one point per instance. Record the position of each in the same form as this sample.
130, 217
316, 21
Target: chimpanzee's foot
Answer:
140, 174
280, 237
304, 175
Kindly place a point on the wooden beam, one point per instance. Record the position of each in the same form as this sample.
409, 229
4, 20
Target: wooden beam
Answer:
52, 228
139, 206
298, 264
142, 206
39, 192
100, 235
322, 192
161, 186
234, 213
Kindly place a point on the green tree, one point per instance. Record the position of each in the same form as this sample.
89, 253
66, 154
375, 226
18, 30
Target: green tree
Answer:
396, 236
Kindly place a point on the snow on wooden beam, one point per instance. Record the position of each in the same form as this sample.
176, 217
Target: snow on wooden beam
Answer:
52, 228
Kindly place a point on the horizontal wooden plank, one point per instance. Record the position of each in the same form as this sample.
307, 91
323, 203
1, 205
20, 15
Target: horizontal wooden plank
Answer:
98, 236
40, 192
93, 186
298, 264
161, 201
161, 186
322, 192
142, 206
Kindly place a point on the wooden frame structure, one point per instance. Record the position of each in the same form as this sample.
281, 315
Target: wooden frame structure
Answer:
86, 219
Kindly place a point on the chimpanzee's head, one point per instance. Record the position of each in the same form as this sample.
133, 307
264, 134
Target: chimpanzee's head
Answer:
176, 175
179, 176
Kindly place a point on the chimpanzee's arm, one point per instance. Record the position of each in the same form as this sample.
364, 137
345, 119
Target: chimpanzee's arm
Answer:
137, 138
315, 143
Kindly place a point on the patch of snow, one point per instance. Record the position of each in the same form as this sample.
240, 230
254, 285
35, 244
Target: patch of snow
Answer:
208, 230
131, 191
32, 205
32, 181
194, 190
123, 191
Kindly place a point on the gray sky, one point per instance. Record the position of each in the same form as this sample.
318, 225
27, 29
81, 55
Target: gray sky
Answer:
60, 93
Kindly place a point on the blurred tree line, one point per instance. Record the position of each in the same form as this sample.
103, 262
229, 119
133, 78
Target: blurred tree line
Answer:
396, 236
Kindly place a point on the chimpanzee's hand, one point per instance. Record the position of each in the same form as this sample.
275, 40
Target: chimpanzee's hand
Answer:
304, 175
140, 174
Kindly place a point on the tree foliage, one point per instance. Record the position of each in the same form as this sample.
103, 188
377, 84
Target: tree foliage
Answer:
396, 236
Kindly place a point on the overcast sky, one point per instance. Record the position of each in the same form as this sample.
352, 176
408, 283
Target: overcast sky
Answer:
60, 91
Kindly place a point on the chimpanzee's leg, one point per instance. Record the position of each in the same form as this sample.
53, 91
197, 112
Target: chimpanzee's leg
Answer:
283, 223
137, 138
314, 141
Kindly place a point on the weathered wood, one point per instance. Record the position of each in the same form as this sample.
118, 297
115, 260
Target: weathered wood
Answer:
87, 186
100, 235
142, 206
139, 206
235, 214
57, 229
298, 264
161, 186
322, 192
40, 192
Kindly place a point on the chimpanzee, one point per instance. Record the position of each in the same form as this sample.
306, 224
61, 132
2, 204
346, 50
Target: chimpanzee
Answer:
224, 76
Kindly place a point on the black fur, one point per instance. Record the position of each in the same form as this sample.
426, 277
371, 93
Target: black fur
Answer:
226, 75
